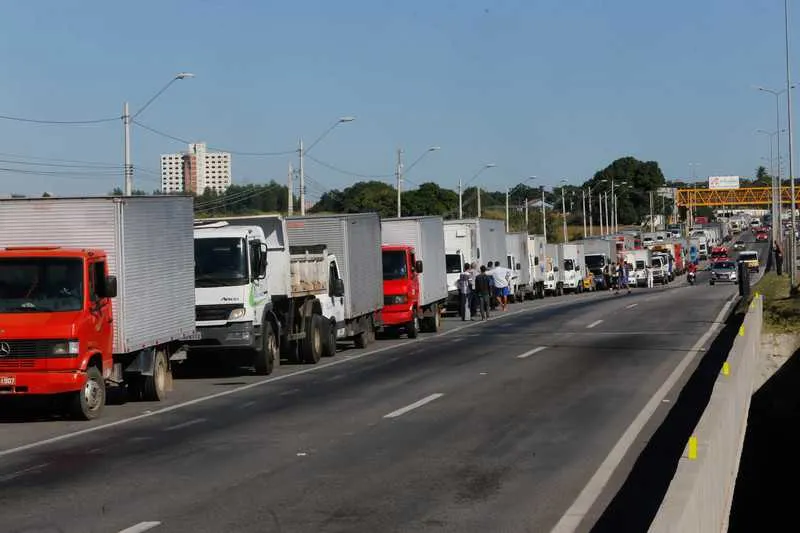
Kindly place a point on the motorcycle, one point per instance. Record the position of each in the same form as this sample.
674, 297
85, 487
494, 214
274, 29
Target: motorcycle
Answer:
690, 277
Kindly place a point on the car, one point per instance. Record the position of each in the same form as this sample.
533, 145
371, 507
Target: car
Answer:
762, 236
739, 245
723, 271
749, 258
719, 253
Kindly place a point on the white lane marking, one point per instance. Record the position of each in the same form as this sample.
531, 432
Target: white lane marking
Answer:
185, 424
593, 324
631, 306
141, 527
531, 352
18, 473
247, 404
415, 405
457, 339
342, 359
573, 517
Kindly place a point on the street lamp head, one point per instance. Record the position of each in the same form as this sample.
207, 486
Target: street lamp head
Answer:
183, 75
346, 119
490, 165
434, 148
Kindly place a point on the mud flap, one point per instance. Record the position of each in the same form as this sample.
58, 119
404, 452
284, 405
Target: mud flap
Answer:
142, 363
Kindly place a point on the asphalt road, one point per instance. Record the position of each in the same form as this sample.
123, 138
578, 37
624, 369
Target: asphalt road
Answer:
495, 426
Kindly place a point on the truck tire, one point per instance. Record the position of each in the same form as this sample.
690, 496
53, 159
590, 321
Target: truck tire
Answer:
329, 334
412, 328
264, 360
361, 340
311, 346
154, 388
88, 403
435, 321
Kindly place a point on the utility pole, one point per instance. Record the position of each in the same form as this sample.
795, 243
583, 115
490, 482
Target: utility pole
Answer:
652, 219
544, 218
591, 222
608, 214
793, 247
460, 201
127, 168
583, 203
507, 222
478, 191
564, 212
302, 181
526, 215
613, 208
399, 174
600, 205
290, 187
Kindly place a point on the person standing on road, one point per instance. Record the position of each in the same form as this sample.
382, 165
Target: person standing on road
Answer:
464, 293
474, 271
501, 277
483, 292
648, 270
778, 258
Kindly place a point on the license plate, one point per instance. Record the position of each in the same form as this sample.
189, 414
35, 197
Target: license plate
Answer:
8, 380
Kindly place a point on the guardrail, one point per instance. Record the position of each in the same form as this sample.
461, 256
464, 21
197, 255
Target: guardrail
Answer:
700, 494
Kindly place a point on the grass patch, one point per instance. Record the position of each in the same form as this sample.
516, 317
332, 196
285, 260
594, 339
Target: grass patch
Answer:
781, 309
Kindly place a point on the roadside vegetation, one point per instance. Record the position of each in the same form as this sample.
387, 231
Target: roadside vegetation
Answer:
781, 309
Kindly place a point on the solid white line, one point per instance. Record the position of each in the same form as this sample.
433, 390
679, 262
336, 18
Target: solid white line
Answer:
246, 405
185, 424
593, 324
415, 405
572, 518
631, 306
18, 473
342, 359
141, 527
531, 352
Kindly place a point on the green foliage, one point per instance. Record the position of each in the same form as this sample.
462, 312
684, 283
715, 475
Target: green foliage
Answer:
243, 200
633, 198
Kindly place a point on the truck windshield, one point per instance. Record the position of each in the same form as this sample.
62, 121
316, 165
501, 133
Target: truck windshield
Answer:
220, 262
394, 265
569, 265
453, 263
41, 285
595, 261
639, 265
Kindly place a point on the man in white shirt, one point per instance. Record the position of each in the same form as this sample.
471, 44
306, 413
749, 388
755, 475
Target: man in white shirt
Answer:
501, 276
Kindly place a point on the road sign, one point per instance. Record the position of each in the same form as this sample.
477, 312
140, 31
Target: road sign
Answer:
723, 182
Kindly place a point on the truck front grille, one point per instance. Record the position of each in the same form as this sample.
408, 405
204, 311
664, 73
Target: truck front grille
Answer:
13, 349
214, 312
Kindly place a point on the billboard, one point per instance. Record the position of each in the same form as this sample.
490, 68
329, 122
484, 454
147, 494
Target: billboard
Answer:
723, 182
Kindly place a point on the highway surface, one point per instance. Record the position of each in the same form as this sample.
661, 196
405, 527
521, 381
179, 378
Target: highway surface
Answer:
516, 424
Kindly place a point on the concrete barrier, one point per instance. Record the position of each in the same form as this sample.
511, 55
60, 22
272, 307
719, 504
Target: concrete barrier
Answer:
700, 494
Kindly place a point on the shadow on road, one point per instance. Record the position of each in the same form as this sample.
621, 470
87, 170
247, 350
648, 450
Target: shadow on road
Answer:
634, 507
765, 498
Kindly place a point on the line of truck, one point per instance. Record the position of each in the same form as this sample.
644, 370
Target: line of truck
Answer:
100, 292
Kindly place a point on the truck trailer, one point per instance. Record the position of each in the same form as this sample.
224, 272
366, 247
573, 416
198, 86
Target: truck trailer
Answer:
467, 241
112, 279
414, 275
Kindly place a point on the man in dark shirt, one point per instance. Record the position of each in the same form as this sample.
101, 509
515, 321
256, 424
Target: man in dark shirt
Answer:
483, 291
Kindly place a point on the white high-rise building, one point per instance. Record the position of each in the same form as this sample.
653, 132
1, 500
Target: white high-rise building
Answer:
195, 171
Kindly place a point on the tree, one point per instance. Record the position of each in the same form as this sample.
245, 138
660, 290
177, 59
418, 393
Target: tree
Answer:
633, 198
46, 195
430, 199
763, 179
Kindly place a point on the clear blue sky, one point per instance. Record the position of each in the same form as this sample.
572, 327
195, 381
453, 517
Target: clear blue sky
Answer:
550, 88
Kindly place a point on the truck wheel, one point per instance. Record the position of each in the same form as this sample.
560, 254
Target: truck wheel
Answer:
436, 319
361, 340
264, 361
88, 403
154, 388
329, 349
412, 328
311, 346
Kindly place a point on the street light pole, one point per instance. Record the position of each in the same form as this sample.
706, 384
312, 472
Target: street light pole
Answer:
564, 209
302, 153
591, 222
793, 256
290, 186
127, 167
478, 190
507, 224
399, 173
526, 214
583, 205
544, 218
460, 201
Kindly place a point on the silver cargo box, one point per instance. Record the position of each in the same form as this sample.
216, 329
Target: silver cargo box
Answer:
150, 247
355, 240
518, 246
426, 236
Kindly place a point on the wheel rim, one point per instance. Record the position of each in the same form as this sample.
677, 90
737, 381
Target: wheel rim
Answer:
437, 318
416, 323
92, 394
271, 346
317, 340
160, 377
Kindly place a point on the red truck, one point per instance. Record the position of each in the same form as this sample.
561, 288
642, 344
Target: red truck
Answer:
90, 297
413, 298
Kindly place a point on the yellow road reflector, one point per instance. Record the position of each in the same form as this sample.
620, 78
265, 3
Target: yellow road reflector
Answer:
741, 330
757, 295
692, 447
726, 369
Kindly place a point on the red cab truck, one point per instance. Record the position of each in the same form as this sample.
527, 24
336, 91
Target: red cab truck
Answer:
94, 292
414, 274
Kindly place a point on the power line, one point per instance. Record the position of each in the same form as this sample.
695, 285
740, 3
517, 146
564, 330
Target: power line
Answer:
59, 122
234, 152
347, 172
61, 165
40, 158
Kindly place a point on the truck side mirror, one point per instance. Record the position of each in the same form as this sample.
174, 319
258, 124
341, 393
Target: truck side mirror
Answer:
418, 267
262, 262
109, 288
338, 288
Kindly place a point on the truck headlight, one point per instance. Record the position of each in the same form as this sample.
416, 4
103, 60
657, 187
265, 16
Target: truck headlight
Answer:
236, 314
394, 299
66, 348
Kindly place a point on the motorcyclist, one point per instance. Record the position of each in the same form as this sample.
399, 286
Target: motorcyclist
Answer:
691, 271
